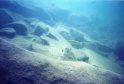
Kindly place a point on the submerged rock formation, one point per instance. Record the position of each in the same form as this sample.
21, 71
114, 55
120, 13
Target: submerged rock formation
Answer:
7, 32
19, 66
20, 27
51, 36
40, 30
31, 51
68, 54
84, 58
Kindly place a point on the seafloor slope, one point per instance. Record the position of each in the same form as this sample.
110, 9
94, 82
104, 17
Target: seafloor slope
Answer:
20, 66
33, 52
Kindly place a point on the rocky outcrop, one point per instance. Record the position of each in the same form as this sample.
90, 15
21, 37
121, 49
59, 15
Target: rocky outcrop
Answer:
52, 36
40, 30
19, 66
76, 39
7, 32
83, 58
67, 54
20, 27
79, 41
40, 40
77, 44
101, 48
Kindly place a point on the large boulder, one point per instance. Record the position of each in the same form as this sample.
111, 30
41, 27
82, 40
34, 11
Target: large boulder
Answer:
19, 66
76, 44
7, 32
5, 17
66, 35
67, 54
40, 30
81, 56
20, 27
100, 48
52, 36
75, 38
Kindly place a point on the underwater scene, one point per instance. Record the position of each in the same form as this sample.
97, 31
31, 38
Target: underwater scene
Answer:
61, 42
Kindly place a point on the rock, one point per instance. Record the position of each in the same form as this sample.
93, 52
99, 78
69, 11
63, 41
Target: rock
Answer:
74, 38
40, 31
30, 47
20, 27
76, 44
77, 36
84, 58
70, 39
81, 56
66, 35
68, 54
42, 41
51, 36
5, 17
19, 66
7, 32
102, 49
